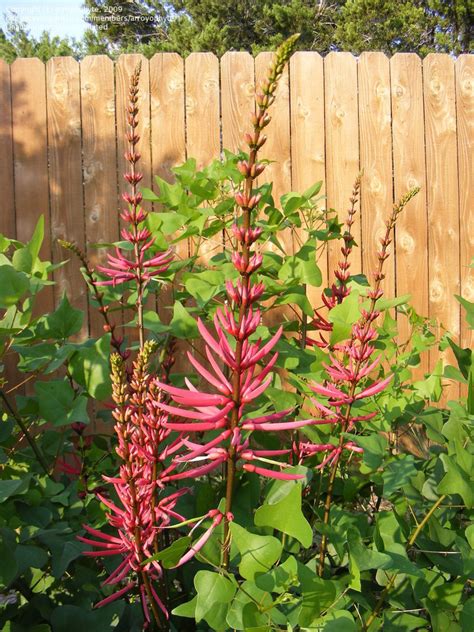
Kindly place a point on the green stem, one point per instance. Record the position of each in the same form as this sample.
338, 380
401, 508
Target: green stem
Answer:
39, 455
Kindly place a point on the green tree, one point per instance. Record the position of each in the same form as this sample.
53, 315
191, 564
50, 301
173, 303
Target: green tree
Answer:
16, 41
421, 26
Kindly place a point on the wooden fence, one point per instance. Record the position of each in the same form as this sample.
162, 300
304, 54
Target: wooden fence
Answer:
404, 121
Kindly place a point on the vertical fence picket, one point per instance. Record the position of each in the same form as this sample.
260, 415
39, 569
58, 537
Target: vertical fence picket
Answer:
307, 137
168, 141
442, 192
237, 98
65, 175
342, 144
31, 159
465, 123
409, 170
7, 184
376, 162
203, 124
99, 163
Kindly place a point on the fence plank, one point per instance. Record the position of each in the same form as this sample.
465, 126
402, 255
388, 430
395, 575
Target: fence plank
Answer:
99, 163
409, 170
342, 144
31, 159
237, 98
307, 136
376, 162
465, 124
65, 174
203, 123
7, 184
442, 192
168, 137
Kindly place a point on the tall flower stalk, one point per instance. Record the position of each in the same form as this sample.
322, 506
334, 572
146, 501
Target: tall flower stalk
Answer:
244, 381
350, 364
144, 509
139, 268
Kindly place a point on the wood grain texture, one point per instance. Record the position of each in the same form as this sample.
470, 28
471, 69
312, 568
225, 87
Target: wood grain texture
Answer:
99, 163
203, 126
409, 170
307, 137
237, 97
7, 184
202, 108
376, 162
342, 144
65, 175
465, 125
31, 159
168, 139
442, 195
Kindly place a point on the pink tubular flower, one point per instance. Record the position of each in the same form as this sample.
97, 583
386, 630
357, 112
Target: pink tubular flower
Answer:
139, 514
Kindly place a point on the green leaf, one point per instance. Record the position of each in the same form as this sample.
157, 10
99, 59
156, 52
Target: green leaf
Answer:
9, 564
22, 260
463, 357
244, 612
90, 368
65, 321
375, 449
203, 285
35, 243
467, 615
279, 579
11, 487
297, 296
212, 589
317, 594
58, 404
398, 473
313, 190
455, 481
286, 516
183, 325
302, 266
172, 554
343, 316
13, 285
258, 552
447, 595
469, 307
187, 609
30, 557
64, 555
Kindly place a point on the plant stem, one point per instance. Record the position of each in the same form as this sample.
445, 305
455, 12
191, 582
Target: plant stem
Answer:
39, 455
365, 323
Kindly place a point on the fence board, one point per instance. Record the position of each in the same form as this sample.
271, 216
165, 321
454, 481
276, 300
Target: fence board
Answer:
409, 170
31, 159
65, 174
442, 192
465, 124
314, 134
307, 136
376, 161
342, 144
7, 214
203, 122
99, 163
237, 98
168, 141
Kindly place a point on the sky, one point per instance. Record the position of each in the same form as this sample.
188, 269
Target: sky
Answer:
59, 17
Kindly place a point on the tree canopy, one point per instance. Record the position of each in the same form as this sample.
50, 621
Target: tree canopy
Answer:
183, 26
